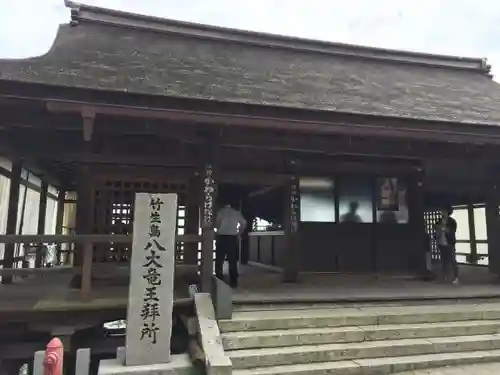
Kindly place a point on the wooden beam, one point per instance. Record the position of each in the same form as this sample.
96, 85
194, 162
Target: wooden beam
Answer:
211, 111
29, 117
309, 146
129, 160
181, 270
376, 126
328, 145
252, 178
239, 138
81, 238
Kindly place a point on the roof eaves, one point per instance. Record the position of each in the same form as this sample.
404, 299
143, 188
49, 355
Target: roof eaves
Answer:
87, 13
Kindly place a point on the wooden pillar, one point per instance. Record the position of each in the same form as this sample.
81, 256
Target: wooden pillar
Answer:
292, 218
83, 209
59, 222
209, 197
245, 239
472, 233
417, 223
60, 211
192, 219
375, 235
42, 215
84, 199
493, 230
15, 180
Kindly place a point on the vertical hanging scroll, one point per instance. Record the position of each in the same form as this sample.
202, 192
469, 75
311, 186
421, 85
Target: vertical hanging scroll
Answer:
208, 234
208, 197
291, 267
294, 204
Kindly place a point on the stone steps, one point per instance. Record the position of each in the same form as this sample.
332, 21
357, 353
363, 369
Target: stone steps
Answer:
264, 357
361, 340
378, 366
341, 317
246, 307
315, 336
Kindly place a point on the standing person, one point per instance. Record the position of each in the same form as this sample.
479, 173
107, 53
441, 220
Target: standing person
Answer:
229, 223
446, 229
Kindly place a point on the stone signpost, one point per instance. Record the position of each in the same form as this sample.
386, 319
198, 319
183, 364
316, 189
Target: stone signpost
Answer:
149, 315
151, 291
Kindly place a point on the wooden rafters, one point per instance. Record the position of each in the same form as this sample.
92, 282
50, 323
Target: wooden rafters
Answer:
114, 147
146, 108
28, 131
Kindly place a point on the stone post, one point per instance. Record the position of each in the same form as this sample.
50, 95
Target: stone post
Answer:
151, 291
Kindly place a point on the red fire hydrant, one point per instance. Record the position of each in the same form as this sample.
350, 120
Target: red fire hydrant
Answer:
53, 361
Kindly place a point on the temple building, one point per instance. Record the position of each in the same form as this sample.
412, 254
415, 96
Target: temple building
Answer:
347, 152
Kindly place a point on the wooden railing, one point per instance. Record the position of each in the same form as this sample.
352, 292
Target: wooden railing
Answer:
266, 247
88, 241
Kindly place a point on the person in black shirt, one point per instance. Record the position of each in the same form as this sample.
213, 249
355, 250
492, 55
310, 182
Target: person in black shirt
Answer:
446, 229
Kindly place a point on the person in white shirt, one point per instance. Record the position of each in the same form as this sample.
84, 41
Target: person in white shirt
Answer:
229, 224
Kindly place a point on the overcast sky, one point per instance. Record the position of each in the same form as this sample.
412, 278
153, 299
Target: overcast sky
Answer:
458, 27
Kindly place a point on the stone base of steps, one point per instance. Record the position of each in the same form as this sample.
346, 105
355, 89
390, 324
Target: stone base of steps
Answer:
378, 366
361, 340
341, 317
433, 292
317, 336
266, 357
247, 307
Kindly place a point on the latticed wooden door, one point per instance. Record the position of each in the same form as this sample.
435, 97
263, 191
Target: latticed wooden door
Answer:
114, 212
431, 217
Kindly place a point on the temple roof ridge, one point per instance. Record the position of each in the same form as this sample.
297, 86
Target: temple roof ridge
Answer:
81, 13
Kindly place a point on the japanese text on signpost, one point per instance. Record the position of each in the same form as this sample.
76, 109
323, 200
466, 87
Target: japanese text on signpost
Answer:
151, 294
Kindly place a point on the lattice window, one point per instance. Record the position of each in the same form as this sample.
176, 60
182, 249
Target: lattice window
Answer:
200, 232
114, 212
181, 229
431, 217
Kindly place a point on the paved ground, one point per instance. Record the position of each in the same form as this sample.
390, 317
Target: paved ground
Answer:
256, 284
53, 292
262, 285
483, 369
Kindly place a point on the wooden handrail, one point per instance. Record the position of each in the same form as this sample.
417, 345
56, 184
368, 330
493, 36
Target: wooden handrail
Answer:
81, 238
180, 270
87, 240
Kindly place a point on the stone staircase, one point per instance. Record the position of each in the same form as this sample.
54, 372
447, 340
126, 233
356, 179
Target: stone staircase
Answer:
365, 339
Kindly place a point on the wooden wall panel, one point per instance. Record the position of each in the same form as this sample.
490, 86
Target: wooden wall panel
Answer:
394, 252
